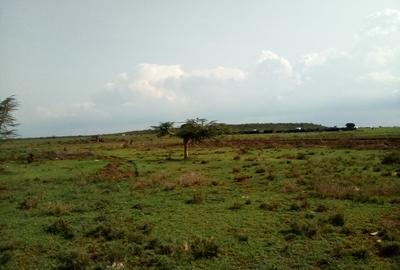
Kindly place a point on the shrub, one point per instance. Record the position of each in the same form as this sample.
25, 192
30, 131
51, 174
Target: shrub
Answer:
236, 170
29, 203
290, 187
192, 179
270, 206
360, 253
336, 219
76, 260
235, 206
58, 208
333, 189
321, 208
301, 228
61, 227
301, 156
392, 158
197, 198
270, 176
241, 177
298, 205
260, 170
204, 248
120, 230
389, 249
162, 262
242, 237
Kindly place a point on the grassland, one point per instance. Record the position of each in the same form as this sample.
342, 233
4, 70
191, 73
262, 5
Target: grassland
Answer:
268, 201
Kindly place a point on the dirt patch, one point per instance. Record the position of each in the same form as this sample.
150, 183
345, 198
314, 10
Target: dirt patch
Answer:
117, 171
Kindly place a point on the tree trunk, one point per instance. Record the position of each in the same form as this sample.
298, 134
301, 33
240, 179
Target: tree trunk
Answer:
185, 148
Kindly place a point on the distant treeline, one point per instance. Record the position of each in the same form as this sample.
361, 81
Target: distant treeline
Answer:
257, 128
274, 127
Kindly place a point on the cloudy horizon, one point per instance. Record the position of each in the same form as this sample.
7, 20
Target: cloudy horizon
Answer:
99, 67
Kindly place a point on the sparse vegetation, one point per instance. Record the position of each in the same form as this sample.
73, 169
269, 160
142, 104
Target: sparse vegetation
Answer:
262, 201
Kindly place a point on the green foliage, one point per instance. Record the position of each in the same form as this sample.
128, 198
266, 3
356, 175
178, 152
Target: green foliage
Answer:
337, 219
391, 158
61, 227
204, 248
196, 130
390, 249
7, 121
163, 129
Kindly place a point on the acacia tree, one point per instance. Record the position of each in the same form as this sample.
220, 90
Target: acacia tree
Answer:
163, 129
7, 121
192, 131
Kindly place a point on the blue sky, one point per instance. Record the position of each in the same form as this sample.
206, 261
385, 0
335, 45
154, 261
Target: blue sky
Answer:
83, 67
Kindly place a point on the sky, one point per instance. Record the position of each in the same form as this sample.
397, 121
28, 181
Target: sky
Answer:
92, 67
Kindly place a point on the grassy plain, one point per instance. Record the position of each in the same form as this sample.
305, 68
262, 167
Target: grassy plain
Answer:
270, 201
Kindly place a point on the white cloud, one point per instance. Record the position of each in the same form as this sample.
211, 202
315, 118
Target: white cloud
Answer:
313, 60
218, 73
382, 23
278, 65
329, 86
380, 77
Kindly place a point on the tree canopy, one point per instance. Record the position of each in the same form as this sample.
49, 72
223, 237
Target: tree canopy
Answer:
193, 130
7, 120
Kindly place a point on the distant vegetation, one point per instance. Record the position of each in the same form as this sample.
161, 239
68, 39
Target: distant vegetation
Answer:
274, 127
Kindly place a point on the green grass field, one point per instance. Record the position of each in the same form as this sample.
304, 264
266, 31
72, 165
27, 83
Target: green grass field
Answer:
132, 202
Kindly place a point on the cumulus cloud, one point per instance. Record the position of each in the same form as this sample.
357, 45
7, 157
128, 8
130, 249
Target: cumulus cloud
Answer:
382, 23
331, 87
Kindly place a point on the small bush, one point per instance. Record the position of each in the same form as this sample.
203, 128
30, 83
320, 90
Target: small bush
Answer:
392, 158
197, 198
289, 236
301, 228
260, 170
162, 262
58, 208
297, 206
336, 219
138, 206
76, 260
321, 208
204, 248
29, 203
235, 206
270, 206
242, 237
390, 249
240, 177
192, 179
290, 187
169, 186
120, 230
236, 170
62, 228
300, 156
270, 176
360, 253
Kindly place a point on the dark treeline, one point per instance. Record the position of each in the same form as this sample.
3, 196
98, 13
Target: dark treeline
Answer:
274, 127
